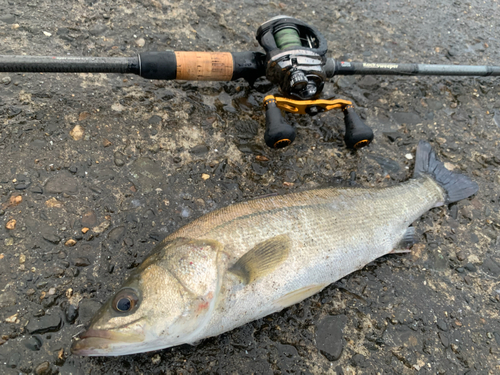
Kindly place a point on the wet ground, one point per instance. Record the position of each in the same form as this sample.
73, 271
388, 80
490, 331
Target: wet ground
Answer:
96, 168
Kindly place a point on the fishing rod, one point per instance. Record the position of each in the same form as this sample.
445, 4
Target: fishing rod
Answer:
294, 60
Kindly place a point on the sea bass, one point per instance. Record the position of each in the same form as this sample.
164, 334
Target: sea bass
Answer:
251, 259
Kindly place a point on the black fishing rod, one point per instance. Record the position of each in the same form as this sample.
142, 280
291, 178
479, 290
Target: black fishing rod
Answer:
295, 60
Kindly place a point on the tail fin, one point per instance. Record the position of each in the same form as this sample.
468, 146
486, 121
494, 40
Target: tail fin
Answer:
457, 186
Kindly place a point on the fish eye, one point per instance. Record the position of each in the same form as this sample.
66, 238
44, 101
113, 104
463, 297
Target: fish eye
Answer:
125, 300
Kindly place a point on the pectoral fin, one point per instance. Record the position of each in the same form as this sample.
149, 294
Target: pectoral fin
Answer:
262, 259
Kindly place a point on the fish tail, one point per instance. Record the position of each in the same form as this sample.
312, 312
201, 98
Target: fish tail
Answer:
456, 186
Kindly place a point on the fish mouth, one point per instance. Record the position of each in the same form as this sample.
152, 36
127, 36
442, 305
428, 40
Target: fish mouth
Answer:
97, 342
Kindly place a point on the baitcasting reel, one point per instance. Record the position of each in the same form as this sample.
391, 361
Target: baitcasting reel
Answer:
296, 61
295, 57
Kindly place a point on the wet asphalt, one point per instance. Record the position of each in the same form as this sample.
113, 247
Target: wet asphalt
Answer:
97, 168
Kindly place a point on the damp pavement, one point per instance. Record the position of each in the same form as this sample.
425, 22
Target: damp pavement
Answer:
97, 168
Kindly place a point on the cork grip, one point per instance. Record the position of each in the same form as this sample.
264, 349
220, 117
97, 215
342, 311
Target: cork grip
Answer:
204, 66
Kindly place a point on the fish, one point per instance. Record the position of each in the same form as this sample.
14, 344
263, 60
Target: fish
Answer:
251, 259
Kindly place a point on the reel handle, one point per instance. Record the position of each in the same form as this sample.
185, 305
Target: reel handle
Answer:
278, 133
357, 133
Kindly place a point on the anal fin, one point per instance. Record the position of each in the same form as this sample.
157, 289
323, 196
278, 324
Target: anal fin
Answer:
262, 259
409, 239
298, 295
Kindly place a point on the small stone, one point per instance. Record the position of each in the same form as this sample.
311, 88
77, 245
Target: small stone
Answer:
12, 202
33, 343
11, 224
119, 158
140, 42
7, 299
117, 107
359, 360
82, 262
470, 267
89, 219
83, 116
409, 156
77, 133
53, 203
23, 186
71, 313
205, 176
22, 259
154, 148
98, 29
51, 237
116, 234
491, 267
441, 140
6, 80
368, 83
8, 18
71, 242
55, 271
37, 190
47, 323
106, 142
9, 241
85, 230
61, 357
156, 359
12, 319
62, 183
46, 33
155, 120
43, 369
449, 166
102, 227
87, 310
199, 150
328, 334
147, 174
14, 359
442, 325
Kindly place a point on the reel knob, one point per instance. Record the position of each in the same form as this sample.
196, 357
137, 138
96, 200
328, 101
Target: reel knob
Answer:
278, 133
357, 133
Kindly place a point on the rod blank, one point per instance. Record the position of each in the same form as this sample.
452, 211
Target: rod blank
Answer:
361, 68
69, 64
